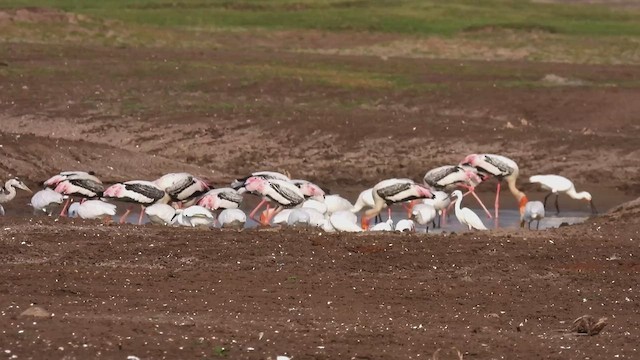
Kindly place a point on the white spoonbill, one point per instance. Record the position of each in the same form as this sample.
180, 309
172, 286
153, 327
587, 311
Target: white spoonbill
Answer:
194, 216
319, 206
424, 214
557, 184
232, 218
344, 220
465, 215
92, 209
140, 192
161, 214
8, 191
500, 167
534, 210
45, 199
406, 225
383, 226
440, 203
392, 191
336, 203
298, 217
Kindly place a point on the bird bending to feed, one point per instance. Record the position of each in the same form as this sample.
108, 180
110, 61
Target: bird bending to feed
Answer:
92, 209
161, 214
383, 226
298, 217
232, 218
500, 167
465, 215
139, 192
181, 187
440, 203
309, 189
8, 191
557, 184
406, 225
77, 184
424, 214
283, 193
534, 210
238, 184
393, 191
450, 177
194, 216
222, 198
365, 199
343, 220
44, 199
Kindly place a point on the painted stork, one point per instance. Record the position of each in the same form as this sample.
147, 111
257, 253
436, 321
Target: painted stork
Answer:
393, 191
139, 192
450, 177
500, 167
283, 193
181, 187
222, 198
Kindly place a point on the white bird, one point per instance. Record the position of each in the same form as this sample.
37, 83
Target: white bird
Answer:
222, 198
465, 215
161, 214
424, 214
316, 218
278, 219
45, 199
8, 191
345, 220
140, 192
440, 203
92, 209
319, 206
500, 167
383, 226
392, 191
298, 217
232, 218
181, 187
534, 210
336, 203
406, 225
194, 216
557, 184
327, 227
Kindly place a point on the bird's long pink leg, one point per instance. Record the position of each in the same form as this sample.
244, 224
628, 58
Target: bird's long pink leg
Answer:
389, 212
253, 212
497, 199
141, 215
64, 208
274, 213
126, 213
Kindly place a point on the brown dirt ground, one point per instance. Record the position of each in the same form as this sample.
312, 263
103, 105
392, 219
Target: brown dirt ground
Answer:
131, 112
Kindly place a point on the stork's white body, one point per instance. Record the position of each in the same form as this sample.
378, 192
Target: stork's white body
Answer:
181, 186
222, 198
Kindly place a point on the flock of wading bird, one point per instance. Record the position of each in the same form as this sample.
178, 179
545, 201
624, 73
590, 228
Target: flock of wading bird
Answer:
183, 199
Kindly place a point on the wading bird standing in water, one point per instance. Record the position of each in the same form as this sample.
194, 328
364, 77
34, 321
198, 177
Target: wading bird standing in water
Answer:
557, 184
